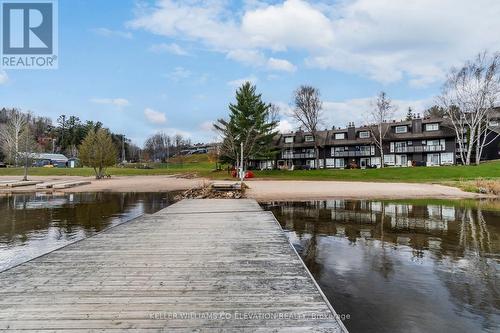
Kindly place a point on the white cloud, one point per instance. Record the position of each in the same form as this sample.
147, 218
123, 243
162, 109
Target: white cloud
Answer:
207, 126
3, 77
119, 102
113, 33
247, 57
175, 131
172, 48
390, 40
340, 113
292, 24
285, 126
155, 117
387, 41
281, 65
239, 82
179, 73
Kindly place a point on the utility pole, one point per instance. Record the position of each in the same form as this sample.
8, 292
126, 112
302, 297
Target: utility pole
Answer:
123, 148
168, 151
63, 130
25, 178
242, 173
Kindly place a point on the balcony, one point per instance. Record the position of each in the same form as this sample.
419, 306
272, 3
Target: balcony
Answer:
289, 156
418, 149
353, 153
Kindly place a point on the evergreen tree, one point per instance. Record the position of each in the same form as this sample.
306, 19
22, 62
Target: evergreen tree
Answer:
251, 122
409, 114
435, 111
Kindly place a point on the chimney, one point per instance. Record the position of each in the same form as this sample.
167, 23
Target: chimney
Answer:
351, 131
416, 125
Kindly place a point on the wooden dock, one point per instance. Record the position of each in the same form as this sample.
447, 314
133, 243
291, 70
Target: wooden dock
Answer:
196, 266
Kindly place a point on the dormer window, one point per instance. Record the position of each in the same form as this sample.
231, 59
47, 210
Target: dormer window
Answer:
431, 127
288, 139
401, 129
339, 136
308, 138
364, 135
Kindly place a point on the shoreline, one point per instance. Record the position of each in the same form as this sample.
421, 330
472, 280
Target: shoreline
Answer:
261, 190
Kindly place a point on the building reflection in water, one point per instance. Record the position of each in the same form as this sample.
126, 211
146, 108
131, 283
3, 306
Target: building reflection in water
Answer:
396, 266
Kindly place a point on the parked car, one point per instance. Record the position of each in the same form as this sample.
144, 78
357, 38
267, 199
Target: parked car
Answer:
3, 165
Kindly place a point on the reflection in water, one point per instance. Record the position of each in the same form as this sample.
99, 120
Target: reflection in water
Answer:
33, 224
397, 267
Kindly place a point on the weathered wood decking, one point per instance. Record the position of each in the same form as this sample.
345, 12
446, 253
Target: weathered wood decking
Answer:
198, 265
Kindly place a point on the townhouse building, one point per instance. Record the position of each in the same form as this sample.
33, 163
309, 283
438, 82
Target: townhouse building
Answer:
416, 142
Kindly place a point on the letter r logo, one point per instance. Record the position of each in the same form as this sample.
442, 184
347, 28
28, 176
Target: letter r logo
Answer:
27, 28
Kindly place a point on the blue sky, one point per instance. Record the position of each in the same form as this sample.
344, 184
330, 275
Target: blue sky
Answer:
144, 66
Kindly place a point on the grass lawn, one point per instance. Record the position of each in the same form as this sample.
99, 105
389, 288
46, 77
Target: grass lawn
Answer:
489, 170
202, 166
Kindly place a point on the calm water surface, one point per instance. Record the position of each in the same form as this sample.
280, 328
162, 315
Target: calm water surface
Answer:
399, 267
34, 224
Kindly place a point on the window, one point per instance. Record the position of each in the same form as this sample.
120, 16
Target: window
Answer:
433, 142
401, 129
389, 159
309, 138
446, 158
376, 161
432, 127
289, 139
339, 163
364, 135
330, 163
365, 150
410, 143
400, 147
339, 136
433, 159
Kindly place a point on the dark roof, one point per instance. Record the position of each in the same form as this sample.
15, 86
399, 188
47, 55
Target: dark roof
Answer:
327, 137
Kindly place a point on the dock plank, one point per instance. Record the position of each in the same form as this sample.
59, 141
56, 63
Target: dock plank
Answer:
199, 265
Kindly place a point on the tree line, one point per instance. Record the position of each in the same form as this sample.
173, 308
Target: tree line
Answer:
161, 146
23, 131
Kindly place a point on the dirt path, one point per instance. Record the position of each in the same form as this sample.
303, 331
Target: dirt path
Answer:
262, 189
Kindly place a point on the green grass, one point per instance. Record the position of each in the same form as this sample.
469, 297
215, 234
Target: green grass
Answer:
203, 166
490, 170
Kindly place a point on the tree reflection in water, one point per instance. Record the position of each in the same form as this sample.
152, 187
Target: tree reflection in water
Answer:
33, 224
396, 266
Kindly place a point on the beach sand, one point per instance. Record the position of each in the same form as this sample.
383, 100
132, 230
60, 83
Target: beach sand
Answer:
262, 190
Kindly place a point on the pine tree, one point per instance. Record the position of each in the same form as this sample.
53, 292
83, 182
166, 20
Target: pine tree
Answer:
251, 122
409, 114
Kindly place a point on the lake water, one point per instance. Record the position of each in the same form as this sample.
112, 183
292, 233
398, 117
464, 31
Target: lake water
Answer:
402, 267
34, 224
388, 266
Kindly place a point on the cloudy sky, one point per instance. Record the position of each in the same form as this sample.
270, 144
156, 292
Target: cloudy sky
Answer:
145, 66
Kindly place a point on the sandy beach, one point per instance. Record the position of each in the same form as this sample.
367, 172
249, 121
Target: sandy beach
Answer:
262, 190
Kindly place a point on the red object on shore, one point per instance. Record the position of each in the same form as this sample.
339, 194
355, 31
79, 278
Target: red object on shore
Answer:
234, 174
249, 174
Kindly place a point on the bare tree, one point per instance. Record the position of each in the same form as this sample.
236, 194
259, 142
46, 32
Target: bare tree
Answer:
381, 112
11, 135
468, 98
308, 111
